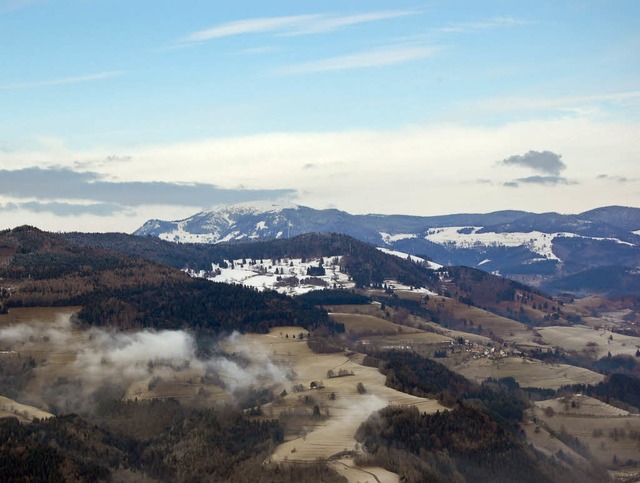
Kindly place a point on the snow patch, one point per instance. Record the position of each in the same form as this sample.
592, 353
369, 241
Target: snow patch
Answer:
229, 237
285, 275
255, 207
179, 235
467, 237
389, 239
413, 258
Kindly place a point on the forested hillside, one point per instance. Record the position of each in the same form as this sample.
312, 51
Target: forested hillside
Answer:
148, 441
114, 289
363, 262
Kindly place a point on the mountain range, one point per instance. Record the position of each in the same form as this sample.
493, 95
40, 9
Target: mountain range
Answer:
540, 249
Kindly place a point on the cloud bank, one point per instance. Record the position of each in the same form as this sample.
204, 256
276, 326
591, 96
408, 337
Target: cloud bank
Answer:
105, 198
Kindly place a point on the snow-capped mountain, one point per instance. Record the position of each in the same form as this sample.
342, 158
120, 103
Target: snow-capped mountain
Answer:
522, 245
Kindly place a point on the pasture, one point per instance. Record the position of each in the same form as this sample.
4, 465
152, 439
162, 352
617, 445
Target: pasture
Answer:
609, 434
527, 372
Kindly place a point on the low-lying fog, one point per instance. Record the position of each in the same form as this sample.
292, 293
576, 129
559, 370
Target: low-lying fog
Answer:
94, 364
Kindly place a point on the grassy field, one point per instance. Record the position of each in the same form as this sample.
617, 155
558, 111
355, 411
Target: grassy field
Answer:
363, 324
595, 343
341, 407
320, 414
474, 319
609, 434
25, 413
527, 372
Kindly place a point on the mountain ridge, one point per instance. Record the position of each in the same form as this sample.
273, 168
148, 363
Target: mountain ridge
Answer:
533, 248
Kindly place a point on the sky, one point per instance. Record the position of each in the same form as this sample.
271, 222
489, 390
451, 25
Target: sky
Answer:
115, 112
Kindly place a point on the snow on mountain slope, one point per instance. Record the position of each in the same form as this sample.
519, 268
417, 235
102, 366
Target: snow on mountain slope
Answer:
524, 246
290, 276
241, 221
413, 258
536, 241
467, 237
389, 239
287, 275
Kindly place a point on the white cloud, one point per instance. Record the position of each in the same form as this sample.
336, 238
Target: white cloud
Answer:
256, 25
328, 23
495, 22
61, 81
372, 58
567, 103
292, 25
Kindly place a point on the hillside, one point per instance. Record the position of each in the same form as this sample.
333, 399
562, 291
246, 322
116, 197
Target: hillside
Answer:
124, 353
358, 265
360, 260
44, 269
601, 280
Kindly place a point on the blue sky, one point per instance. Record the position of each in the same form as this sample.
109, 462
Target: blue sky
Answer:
367, 106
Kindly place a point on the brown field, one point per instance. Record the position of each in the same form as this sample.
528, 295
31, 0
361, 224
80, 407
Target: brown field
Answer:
477, 318
551, 446
25, 413
400, 317
35, 315
412, 339
431, 329
595, 343
361, 324
601, 313
605, 431
527, 372
57, 346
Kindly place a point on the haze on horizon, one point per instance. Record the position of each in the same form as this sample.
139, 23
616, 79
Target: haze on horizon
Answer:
117, 112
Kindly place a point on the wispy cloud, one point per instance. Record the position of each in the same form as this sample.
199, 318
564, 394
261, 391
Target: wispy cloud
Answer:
66, 209
250, 26
616, 178
372, 58
561, 103
328, 23
540, 180
291, 25
61, 81
10, 5
495, 22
